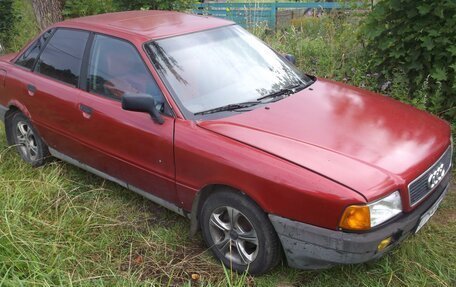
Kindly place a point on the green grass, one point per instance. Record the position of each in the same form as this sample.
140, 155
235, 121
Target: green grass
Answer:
61, 226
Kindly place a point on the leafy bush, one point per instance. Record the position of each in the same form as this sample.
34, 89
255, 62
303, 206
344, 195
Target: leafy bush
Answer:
156, 4
25, 26
7, 19
79, 8
416, 39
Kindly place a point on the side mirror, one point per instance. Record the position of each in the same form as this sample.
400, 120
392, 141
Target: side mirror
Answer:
142, 103
290, 58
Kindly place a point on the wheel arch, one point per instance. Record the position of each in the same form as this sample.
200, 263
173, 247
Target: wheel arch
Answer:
201, 197
12, 109
15, 105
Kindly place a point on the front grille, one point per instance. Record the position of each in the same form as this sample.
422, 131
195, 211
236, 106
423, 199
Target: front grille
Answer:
419, 188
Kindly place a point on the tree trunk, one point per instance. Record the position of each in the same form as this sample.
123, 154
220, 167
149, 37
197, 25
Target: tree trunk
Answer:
47, 12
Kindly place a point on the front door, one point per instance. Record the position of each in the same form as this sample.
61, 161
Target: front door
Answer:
128, 146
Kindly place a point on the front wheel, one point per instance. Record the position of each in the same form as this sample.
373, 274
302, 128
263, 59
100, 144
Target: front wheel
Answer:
28, 143
239, 233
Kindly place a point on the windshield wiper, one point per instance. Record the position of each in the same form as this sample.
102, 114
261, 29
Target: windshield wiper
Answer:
230, 107
233, 107
287, 91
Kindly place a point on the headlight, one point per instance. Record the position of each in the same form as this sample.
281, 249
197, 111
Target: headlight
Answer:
364, 217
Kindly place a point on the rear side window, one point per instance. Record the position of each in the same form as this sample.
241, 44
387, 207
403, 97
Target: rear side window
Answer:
28, 58
62, 57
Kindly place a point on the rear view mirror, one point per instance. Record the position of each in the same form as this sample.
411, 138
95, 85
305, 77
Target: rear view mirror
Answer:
290, 58
142, 103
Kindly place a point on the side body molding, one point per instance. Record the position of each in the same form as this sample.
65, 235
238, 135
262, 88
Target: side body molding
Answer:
143, 193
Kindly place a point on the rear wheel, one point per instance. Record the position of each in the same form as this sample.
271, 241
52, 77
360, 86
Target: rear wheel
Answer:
23, 135
239, 233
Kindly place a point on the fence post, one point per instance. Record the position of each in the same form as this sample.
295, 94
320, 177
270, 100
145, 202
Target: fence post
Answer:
274, 14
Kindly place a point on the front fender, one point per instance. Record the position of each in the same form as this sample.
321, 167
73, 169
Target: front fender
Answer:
276, 185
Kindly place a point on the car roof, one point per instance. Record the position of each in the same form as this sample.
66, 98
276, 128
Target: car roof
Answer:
149, 24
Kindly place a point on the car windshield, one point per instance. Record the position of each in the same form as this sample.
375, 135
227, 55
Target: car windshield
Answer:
220, 67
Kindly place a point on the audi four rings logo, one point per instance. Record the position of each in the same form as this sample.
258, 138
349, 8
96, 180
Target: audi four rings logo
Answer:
436, 176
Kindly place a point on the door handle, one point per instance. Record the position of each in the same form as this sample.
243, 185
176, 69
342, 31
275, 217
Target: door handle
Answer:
86, 111
31, 89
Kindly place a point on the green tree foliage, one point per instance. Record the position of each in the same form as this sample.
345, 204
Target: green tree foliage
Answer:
79, 8
7, 20
154, 4
417, 39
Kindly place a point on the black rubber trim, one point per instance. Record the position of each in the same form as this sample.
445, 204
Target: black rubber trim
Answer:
82, 84
52, 32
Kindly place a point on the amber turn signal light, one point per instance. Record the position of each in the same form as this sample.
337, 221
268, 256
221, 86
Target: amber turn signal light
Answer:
356, 217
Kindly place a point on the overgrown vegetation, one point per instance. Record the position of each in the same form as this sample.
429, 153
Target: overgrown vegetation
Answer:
78, 8
7, 20
416, 39
18, 24
62, 226
157, 4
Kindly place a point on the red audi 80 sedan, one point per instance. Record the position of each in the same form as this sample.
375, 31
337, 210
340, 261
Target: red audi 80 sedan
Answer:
197, 115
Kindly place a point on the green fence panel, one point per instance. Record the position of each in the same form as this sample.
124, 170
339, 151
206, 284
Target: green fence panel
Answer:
250, 14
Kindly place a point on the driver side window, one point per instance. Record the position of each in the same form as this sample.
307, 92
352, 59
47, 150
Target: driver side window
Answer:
116, 68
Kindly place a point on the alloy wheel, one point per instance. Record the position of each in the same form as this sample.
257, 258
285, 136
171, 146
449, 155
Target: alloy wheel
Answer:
233, 235
26, 140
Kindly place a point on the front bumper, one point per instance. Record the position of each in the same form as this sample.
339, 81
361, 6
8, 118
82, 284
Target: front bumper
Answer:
311, 247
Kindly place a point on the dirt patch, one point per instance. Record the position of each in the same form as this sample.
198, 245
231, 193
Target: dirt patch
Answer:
173, 264
159, 215
149, 215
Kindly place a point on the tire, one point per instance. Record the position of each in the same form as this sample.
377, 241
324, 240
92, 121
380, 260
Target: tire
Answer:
252, 245
26, 139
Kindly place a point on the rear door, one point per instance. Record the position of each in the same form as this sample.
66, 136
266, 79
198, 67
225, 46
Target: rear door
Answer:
126, 145
19, 74
51, 91
58, 71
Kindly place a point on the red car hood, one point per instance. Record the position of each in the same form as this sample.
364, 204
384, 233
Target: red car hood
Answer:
8, 57
365, 141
